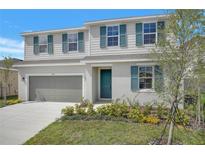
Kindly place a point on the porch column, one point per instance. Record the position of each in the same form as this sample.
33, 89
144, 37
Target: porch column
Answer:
88, 82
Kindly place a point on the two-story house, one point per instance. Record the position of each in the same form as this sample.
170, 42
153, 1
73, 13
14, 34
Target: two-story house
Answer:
103, 60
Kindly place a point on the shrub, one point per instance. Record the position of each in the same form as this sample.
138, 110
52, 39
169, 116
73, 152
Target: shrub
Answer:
102, 110
80, 110
136, 115
84, 102
191, 109
182, 118
114, 109
121, 109
147, 110
69, 110
151, 120
14, 101
161, 111
90, 109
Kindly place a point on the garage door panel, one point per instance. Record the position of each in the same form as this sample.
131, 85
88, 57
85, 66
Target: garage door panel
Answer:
55, 88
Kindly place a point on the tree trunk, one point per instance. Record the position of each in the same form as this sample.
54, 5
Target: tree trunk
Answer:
202, 111
171, 132
199, 109
174, 108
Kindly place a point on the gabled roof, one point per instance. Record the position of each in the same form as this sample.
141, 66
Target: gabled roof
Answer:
15, 60
125, 57
135, 18
56, 62
53, 31
88, 23
87, 59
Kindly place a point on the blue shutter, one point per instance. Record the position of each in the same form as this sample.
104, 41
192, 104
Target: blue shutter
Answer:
134, 78
50, 44
81, 42
103, 37
35, 45
65, 43
138, 27
123, 35
159, 79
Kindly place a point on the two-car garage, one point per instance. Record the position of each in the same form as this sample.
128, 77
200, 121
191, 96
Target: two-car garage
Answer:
55, 88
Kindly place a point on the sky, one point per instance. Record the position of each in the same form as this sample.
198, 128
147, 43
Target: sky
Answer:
14, 22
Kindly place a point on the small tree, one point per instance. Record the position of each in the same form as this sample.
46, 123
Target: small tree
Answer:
7, 65
178, 54
196, 88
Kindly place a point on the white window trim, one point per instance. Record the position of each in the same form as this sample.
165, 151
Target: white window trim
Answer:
73, 51
149, 33
153, 77
118, 43
39, 44
46, 36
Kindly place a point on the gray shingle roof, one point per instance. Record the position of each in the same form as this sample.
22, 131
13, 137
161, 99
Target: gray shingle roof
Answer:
59, 61
90, 59
118, 57
15, 60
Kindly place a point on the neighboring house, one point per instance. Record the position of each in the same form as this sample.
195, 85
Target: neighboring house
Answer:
104, 60
12, 88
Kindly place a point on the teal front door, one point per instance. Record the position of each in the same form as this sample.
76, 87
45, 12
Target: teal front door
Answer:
106, 83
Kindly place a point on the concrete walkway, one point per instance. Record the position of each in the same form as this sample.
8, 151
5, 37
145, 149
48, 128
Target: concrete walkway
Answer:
20, 122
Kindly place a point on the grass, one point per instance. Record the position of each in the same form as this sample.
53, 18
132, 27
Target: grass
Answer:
8, 98
108, 132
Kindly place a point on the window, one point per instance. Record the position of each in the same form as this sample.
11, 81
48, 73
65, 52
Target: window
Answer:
73, 42
149, 33
43, 43
145, 77
112, 35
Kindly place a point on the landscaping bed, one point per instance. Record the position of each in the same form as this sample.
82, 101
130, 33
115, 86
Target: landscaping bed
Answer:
116, 123
135, 113
11, 100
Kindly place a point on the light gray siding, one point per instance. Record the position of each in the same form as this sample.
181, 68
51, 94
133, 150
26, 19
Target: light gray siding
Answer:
121, 85
131, 39
58, 54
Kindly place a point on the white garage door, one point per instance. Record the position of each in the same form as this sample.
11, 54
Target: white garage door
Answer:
55, 88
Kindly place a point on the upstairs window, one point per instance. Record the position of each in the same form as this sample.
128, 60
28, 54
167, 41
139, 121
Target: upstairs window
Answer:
43, 44
149, 33
73, 42
145, 77
112, 35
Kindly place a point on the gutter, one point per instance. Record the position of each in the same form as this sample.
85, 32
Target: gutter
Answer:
53, 31
53, 64
116, 61
84, 62
2, 68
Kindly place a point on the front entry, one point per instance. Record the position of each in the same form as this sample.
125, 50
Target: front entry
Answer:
105, 83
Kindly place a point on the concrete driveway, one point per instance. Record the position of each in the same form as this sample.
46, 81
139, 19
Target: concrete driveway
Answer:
20, 122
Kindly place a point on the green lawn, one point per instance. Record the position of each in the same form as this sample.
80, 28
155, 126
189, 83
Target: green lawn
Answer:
108, 132
8, 98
